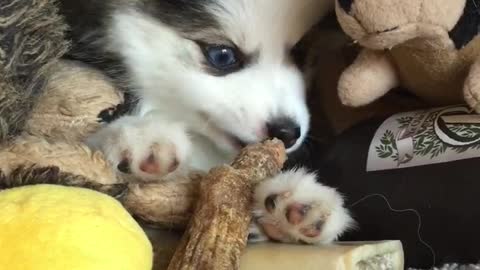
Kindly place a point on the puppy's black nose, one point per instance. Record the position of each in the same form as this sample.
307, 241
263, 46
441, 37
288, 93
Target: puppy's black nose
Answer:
346, 5
286, 130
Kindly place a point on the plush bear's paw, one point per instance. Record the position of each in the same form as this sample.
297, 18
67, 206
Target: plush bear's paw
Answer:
370, 77
471, 88
145, 147
294, 208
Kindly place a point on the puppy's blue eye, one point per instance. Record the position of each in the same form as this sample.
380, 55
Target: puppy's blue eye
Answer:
222, 57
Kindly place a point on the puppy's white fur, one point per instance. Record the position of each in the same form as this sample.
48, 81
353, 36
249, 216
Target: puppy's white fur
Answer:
184, 108
240, 103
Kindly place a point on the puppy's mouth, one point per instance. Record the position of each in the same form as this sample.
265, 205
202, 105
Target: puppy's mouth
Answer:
232, 140
235, 141
223, 137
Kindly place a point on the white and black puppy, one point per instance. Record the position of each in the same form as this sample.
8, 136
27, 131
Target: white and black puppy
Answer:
207, 78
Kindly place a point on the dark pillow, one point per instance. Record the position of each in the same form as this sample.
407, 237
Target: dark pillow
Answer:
444, 196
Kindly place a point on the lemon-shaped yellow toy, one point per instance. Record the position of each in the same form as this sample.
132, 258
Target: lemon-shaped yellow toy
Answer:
47, 227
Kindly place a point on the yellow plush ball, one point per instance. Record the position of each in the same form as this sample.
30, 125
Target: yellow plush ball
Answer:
48, 227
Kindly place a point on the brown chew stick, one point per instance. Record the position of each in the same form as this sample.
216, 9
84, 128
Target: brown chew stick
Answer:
217, 233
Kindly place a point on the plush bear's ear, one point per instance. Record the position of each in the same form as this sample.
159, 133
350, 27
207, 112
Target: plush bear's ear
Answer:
78, 100
468, 25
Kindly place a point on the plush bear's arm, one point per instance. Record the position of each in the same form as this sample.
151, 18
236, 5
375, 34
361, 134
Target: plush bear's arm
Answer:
165, 204
371, 76
471, 88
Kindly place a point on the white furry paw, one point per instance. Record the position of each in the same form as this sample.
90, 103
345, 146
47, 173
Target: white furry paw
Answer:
146, 147
294, 208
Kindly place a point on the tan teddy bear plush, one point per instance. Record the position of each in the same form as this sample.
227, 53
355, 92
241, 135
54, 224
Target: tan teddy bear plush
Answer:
31, 40
329, 52
429, 47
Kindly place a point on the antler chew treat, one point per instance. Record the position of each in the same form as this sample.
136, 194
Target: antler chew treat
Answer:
217, 232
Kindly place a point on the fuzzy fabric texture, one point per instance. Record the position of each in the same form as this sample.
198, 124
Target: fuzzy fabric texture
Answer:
79, 229
36, 99
31, 39
29, 160
71, 107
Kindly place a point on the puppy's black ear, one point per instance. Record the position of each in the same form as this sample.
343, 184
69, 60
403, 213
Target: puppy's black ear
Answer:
303, 52
467, 27
299, 54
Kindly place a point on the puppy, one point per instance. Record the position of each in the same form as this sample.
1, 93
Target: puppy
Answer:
208, 77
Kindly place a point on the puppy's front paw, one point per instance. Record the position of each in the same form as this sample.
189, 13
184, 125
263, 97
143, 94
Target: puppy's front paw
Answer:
145, 147
293, 207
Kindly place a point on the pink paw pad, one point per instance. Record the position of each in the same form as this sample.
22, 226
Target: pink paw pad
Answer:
296, 213
313, 230
150, 165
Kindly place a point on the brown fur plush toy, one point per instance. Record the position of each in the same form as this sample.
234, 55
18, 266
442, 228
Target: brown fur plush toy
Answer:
48, 106
429, 47
35, 108
31, 40
50, 148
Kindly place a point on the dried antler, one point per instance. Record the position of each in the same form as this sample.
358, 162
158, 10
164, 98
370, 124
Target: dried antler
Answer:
217, 233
